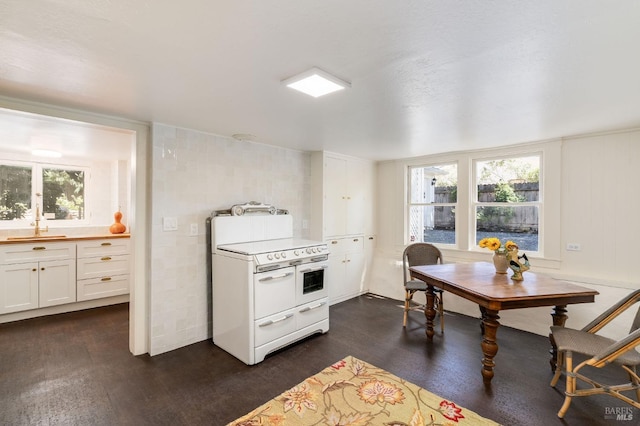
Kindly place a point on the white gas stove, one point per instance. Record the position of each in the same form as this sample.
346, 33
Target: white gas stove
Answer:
269, 289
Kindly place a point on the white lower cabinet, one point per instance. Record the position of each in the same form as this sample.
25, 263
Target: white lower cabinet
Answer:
103, 268
37, 276
345, 274
40, 275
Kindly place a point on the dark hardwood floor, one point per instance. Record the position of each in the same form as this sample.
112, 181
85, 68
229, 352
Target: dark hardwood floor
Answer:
76, 369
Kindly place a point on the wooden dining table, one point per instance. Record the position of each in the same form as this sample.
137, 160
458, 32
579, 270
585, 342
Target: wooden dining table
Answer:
478, 282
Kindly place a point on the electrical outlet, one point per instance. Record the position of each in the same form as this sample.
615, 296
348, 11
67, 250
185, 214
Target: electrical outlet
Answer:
193, 230
169, 224
573, 247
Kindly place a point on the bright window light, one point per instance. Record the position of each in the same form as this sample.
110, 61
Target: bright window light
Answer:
316, 82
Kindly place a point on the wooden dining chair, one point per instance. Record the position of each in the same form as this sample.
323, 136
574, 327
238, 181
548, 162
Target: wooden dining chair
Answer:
414, 255
600, 351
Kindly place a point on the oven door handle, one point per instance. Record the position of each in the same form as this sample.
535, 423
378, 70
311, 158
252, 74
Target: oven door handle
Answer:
304, 271
275, 277
309, 308
271, 322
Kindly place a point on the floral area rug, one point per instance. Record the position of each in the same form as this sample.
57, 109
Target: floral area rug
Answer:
353, 392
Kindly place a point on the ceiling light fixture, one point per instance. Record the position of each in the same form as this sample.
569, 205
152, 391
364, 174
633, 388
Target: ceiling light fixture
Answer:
46, 153
316, 82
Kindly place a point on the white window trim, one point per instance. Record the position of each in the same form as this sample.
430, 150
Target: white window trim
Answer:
410, 204
474, 203
549, 242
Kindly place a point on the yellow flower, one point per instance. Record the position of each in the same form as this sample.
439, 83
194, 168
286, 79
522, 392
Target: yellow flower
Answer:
510, 245
494, 244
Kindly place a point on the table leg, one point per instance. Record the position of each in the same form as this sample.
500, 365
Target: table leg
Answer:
559, 315
430, 312
483, 315
489, 343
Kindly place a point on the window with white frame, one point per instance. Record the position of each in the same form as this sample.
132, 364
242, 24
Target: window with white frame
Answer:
507, 200
57, 192
433, 197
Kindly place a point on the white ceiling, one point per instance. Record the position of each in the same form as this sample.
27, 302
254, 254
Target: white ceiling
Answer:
427, 76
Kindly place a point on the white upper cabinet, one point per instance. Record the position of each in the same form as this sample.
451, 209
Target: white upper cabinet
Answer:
342, 196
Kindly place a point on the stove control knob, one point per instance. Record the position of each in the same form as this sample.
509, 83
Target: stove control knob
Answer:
269, 257
284, 255
296, 253
309, 250
314, 249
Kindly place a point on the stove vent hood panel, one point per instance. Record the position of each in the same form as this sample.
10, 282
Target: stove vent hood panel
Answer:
240, 229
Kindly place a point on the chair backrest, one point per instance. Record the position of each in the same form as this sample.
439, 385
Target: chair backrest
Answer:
420, 254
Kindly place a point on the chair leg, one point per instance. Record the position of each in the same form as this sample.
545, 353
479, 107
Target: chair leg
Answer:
441, 312
571, 384
408, 295
558, 372
634, 380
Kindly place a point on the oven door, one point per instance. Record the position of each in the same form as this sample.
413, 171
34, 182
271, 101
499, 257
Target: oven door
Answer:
274, 291
311, 281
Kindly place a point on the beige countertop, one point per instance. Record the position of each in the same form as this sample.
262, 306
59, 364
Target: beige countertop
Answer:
59, 238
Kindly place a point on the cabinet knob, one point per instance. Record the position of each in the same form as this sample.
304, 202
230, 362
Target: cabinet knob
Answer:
355, 240
34, 269
334, 242
42, 269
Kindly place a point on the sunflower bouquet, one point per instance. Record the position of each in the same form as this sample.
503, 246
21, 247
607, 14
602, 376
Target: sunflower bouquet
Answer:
495, 245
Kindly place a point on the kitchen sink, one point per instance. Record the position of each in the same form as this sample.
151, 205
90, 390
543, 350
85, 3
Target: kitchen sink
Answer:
33, 237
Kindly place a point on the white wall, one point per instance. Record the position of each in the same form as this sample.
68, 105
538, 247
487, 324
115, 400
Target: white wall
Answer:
193, 174
590, 198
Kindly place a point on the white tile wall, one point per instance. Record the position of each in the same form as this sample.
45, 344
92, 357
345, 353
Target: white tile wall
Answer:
194, 173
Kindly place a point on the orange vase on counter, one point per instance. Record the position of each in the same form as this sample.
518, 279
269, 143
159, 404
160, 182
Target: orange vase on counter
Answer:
117, 227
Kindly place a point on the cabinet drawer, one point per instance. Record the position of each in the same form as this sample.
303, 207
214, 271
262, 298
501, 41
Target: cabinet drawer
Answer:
103, 266
346, 245
312, 312
96, 288
107, 247
274, 327
19, 253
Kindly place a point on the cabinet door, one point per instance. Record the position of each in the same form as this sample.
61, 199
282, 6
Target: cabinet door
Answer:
335, 196
334, 276
18, 287
354, 279
57, 279
356, 182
